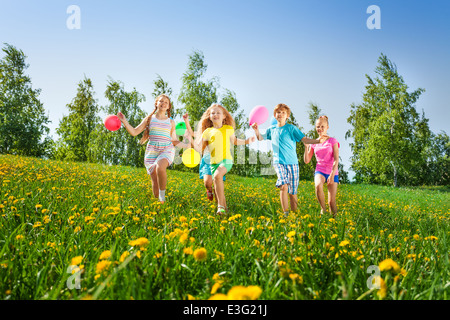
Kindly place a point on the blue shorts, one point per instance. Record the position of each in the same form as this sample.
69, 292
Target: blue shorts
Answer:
287, 174
336, 177
205, 167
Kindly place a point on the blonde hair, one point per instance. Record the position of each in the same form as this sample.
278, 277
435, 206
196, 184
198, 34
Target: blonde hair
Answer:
205, 121
146, 134
323, 118
282, 106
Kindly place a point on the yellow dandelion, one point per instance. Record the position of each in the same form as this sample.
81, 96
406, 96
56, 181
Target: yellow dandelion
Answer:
76, 261
388, 265
344, 243
183, 238
187, 251
141, 242
105, 255
124, 256
382, 292
102, 266
19, 237
244, 293
215, 287
200, 254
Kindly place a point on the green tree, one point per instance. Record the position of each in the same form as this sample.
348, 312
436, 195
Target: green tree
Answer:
388, 134
119, 147
23, 122
196, 94
74, 129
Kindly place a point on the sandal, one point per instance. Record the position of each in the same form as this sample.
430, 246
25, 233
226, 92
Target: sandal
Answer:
221, 210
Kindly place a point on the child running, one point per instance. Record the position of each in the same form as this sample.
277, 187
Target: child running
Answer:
216, 132
284, 137
160, 151
204, 167
327, 155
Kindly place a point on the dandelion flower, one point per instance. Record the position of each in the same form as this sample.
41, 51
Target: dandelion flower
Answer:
388, 265
105, 255
76, 261
200, 254
344, 243
102, 266
141, 242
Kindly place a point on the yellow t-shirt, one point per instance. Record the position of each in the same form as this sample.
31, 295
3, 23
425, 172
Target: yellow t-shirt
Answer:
219, 142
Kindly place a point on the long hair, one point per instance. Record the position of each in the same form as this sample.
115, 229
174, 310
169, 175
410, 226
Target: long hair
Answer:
205, 121
146, 134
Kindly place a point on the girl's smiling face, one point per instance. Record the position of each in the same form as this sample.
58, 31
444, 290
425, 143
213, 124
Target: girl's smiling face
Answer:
216, 115
321, 127
163, 103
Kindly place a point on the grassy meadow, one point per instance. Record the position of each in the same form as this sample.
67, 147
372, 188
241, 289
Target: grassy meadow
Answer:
85, 231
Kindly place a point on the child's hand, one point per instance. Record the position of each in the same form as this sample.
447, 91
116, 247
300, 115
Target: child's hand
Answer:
185, 117
251, 139
120, 116
255, 126
330, 180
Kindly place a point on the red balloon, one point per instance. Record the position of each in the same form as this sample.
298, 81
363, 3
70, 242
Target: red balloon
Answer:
112, 122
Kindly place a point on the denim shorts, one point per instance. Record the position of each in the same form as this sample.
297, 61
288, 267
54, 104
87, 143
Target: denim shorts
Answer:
336, 177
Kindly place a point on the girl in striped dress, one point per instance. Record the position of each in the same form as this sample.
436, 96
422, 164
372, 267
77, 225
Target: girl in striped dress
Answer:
160, 151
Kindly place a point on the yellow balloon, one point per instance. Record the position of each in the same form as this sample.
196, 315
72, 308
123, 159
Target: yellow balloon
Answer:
190, 158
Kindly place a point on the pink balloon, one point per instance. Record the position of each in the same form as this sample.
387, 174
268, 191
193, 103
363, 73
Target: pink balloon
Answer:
259, 114
112, 122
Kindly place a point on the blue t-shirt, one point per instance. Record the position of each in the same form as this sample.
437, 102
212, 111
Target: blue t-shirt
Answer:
284, 142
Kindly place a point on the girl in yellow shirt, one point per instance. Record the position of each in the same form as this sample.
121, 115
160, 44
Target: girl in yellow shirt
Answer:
216, 130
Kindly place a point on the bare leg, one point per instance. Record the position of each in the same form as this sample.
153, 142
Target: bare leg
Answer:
208, 183
284, 199
219, 187
332, 190
294, 201
161, 173
319, 180
155, 186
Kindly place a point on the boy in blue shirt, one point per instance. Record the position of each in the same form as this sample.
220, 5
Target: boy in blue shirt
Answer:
284, 137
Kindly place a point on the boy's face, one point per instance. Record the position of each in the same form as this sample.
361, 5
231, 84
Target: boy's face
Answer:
281, 115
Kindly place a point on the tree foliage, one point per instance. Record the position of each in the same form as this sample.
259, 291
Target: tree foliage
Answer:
74, 129
118, 147
23, 122
391, 141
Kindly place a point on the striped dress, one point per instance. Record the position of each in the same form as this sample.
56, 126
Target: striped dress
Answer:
159, 145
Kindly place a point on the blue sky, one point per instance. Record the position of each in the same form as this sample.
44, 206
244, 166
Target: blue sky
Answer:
265, 51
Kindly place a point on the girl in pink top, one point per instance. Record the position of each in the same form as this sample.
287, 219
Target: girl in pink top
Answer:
327, 155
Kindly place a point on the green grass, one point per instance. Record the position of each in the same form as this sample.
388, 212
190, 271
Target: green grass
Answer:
52, 212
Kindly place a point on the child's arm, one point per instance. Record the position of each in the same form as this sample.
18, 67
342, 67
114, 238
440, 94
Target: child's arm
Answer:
307, 156
133, 131
257, 133
188, 125
335, 163
307, 140
240, 142
175, 140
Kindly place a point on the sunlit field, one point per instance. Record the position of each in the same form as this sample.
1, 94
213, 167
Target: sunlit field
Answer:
84, 231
